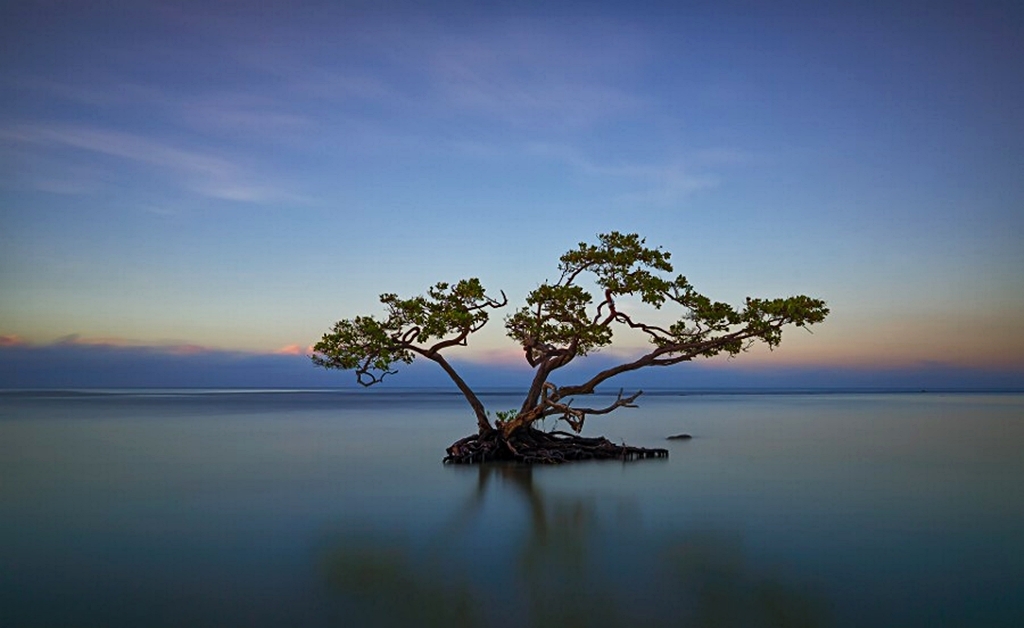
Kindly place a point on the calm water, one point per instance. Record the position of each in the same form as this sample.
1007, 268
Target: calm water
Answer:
332, 509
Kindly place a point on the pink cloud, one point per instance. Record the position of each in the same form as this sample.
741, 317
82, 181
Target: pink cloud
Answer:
11, 340
128, 343
294, 350
93, 341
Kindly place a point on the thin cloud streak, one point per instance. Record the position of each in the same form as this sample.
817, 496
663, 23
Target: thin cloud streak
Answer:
125, 145
239, 113
660, 184
170, 346
115, 342
204, 174
528, 75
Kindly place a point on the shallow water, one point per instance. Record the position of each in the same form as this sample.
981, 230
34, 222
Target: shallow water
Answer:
221, 508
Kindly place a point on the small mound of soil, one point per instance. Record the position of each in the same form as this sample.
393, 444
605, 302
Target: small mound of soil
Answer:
532, 446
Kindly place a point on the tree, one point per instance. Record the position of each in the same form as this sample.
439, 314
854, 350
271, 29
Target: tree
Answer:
560, 322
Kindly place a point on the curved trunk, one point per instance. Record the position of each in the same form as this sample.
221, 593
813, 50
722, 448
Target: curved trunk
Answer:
478, 408
533, 396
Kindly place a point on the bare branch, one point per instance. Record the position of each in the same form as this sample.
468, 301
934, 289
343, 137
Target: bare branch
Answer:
575, 417
682, 352
408, 336
653, 331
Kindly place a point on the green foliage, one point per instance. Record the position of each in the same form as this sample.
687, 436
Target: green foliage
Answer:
712, 322
621, 265
555, 318
448, 314
560, 320
556, 315
363, 344
504, 416
563, 320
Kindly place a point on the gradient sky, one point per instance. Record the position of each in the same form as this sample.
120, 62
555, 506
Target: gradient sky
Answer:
192, 177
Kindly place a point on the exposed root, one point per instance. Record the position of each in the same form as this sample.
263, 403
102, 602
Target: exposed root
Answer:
532, 446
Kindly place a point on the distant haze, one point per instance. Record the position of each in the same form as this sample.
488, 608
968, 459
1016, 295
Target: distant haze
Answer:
116, 367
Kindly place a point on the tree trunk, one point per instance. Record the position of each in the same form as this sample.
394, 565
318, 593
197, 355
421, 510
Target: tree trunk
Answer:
522, 421
482, 423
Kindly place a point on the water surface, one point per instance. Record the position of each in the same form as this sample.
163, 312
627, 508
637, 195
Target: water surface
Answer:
265, 508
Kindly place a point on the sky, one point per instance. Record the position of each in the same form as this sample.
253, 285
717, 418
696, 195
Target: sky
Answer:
196, 188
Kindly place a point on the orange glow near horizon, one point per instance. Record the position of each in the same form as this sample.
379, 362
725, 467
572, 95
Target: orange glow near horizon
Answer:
996, 342
11, 340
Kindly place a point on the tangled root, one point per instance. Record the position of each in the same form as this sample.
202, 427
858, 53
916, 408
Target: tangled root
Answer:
532, 446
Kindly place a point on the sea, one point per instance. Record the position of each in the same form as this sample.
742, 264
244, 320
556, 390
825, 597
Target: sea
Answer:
333, 508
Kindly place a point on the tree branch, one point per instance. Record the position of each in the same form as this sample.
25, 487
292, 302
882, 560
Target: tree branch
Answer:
575, 417
478, 408
686, 351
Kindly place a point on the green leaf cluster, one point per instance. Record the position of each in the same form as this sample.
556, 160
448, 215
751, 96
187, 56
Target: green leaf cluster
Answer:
363, 344
556, 316
621, 265
560, 320
712, 327
557, 320
446, 316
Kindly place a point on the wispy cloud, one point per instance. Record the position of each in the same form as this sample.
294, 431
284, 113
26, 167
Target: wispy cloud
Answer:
93, 94
116, 342
201, 172
302, 75
240, 113
516, 71
528, 73
653, 183
170, 347
125, 145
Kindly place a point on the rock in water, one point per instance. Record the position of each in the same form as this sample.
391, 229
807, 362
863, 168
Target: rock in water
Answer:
680, 437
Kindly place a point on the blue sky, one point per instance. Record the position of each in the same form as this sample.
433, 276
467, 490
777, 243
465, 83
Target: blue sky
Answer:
221, 179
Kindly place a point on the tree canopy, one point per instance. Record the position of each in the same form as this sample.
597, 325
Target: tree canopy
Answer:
560, 322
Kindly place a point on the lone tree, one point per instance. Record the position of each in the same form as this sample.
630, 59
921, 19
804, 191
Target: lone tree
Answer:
560, 322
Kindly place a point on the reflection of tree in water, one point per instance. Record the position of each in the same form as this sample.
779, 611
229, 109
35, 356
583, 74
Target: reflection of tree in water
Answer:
566, 570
